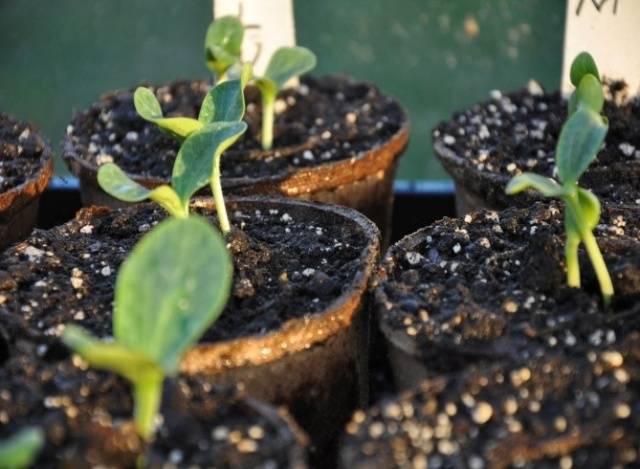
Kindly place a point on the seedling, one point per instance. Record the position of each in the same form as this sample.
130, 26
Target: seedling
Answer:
285, 64
219, 126
20, 450
223, 45
171, 288
223, 54
580, 140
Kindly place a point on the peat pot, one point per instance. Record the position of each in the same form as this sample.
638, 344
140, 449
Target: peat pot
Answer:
26, 165
485, 146
336, 141
294, 331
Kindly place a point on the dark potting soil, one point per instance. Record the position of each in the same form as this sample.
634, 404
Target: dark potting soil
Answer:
87, 419
333, 118
553, 413
517, 132
491, 287
21, 152
287, 265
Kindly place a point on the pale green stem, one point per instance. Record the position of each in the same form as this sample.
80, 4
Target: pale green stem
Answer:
218, 196
571, 256
268, 111
606, 286
147, 397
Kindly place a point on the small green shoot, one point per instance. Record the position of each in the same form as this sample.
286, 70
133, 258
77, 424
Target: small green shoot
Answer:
580, 140
21, 450
223, 45
171, 288
220, 126
285, 64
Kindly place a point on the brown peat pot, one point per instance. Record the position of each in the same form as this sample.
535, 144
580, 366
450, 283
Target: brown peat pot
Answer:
26, 163
555, 412
294, 331
484, 146
336, 141
491, 288
86, 416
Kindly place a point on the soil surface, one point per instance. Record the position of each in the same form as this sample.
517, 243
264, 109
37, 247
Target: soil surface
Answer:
86, 416
517, 132
288, 264
21, 152
552, 413
330, 119
491, 288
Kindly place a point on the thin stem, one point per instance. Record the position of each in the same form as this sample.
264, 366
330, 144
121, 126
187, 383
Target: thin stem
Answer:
218, 197
147, 396
268, 111
591, 245
571, 255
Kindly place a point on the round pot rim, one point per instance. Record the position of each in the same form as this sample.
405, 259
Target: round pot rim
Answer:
34, 185
457, 166
300, 333
296, 181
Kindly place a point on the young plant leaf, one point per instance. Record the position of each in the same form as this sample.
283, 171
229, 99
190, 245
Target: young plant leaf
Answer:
589, 93
288, 62
582, 65
149, 109
194, 163
546, 186
116, 183
223, 44
580, 141
171, 288
21, 450
589, 207
224, 103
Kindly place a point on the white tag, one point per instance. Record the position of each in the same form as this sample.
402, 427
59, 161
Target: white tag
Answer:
269, 25
610, 31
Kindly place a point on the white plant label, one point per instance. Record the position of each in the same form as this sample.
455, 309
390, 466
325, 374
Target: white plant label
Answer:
610, 31
269, 25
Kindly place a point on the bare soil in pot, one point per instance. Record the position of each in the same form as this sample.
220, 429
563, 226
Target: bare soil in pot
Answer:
336, 141
485, 146
26, 165
552, 413
491, 288
86, 417
293, 332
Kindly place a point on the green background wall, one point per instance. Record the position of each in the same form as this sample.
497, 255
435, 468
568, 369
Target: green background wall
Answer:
435, 56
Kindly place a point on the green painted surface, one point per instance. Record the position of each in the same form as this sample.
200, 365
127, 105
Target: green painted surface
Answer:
435, 56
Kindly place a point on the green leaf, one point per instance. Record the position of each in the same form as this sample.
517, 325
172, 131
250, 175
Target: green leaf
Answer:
582, 65
116, 183
580, 141
20, 450
223, 44
194, 163
589, 208
224, 103
288, 62
590, 94
171, 288
111, 356
546, 186
149, 109
572, 104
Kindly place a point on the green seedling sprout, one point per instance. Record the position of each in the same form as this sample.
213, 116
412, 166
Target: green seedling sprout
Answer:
223, 55
171, 288
20, 450
285, 64
580, 140
220, 126
223, 45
